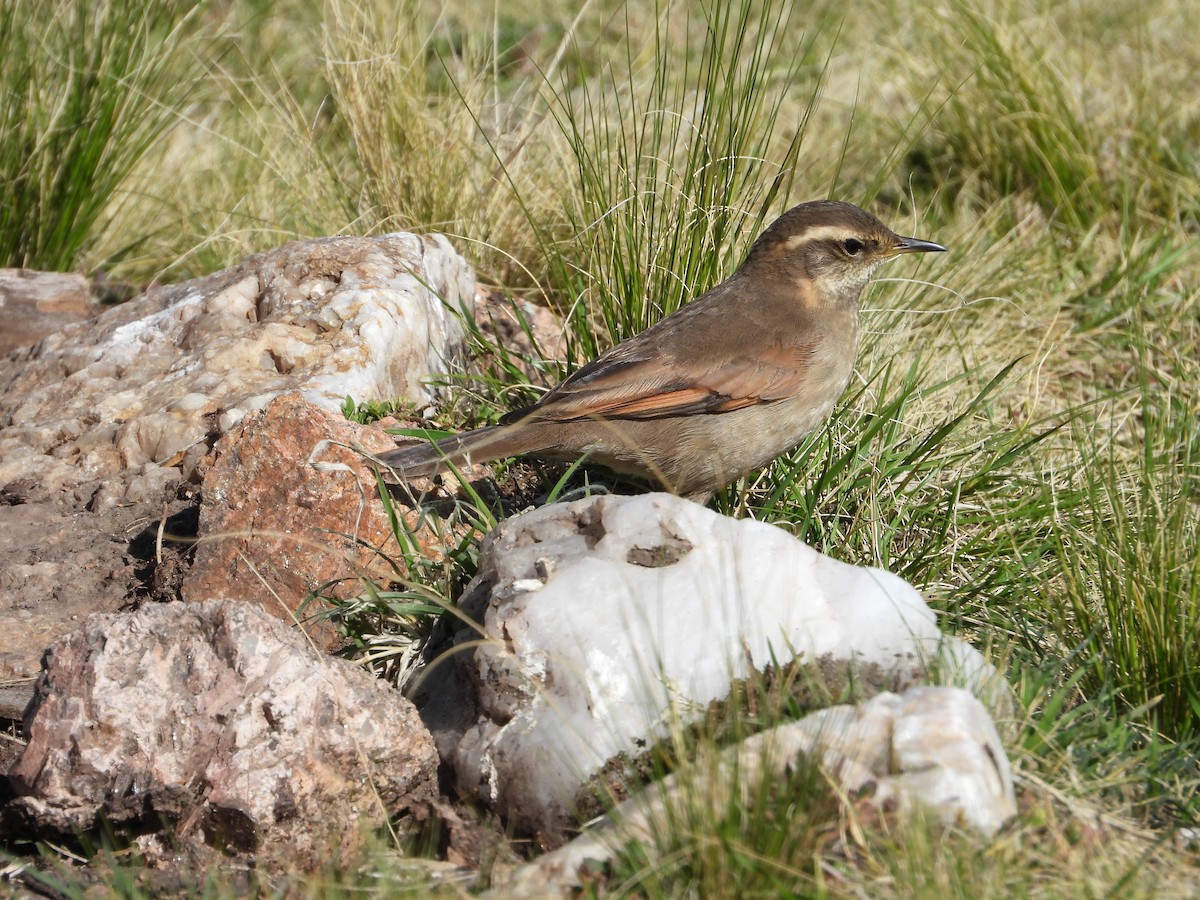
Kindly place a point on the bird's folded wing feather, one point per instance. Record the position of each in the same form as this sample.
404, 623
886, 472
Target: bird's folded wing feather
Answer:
631, 386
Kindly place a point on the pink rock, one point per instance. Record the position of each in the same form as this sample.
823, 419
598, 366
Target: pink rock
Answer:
226, 725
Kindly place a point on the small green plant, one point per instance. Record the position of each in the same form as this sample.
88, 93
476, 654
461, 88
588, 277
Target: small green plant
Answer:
726, 835
388, 625
369, 411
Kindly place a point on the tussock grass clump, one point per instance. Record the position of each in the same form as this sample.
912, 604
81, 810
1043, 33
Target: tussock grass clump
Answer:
678, 161
86, 90
1130, 568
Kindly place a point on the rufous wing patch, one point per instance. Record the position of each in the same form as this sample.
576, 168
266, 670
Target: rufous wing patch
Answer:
648, 390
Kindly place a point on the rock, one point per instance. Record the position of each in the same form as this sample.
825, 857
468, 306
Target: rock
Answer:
151, 384
57, 566
933, 748
14, 698
105, 425
608, 620
943, 754
221, 723
274, 528
35, 304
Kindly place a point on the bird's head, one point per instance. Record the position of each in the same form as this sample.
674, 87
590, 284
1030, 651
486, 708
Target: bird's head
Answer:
828, 249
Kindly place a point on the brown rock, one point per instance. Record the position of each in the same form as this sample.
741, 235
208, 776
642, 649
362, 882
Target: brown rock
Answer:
224, 724
35, 304
274, 529
56, 567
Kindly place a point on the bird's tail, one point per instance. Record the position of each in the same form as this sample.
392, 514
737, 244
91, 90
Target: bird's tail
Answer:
425, 459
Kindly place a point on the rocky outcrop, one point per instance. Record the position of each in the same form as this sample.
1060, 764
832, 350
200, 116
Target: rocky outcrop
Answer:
107, 426
137, 397
224, 725
604, 624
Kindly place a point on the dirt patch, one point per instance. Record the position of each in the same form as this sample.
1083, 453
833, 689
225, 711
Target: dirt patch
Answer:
59, 563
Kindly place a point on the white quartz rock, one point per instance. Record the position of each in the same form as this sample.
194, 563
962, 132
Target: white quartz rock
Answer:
153, 382
932, 748
607, 620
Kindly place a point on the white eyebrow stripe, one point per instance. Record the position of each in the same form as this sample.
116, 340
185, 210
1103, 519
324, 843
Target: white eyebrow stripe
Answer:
837, 232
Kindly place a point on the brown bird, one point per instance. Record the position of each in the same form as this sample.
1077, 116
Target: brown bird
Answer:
721, 386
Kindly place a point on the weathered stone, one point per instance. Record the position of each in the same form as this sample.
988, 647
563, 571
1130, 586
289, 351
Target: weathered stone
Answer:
105, 425
57, 566
607, 620
36, 304
224, 724
930, 748
154, 382
274, 528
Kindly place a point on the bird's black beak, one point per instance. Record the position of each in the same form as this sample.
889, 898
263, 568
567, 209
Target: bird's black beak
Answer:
916, 245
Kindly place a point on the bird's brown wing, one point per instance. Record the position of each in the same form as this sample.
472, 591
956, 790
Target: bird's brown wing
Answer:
642, 386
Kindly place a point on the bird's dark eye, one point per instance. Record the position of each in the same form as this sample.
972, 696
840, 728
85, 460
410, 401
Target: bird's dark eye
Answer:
852, 246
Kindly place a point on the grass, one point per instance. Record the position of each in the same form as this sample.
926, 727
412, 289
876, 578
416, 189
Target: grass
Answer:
1130, 564
1020, 441
675, 161
89, 87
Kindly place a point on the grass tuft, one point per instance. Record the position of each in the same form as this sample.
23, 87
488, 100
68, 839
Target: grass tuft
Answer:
1130, 570
86, 90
